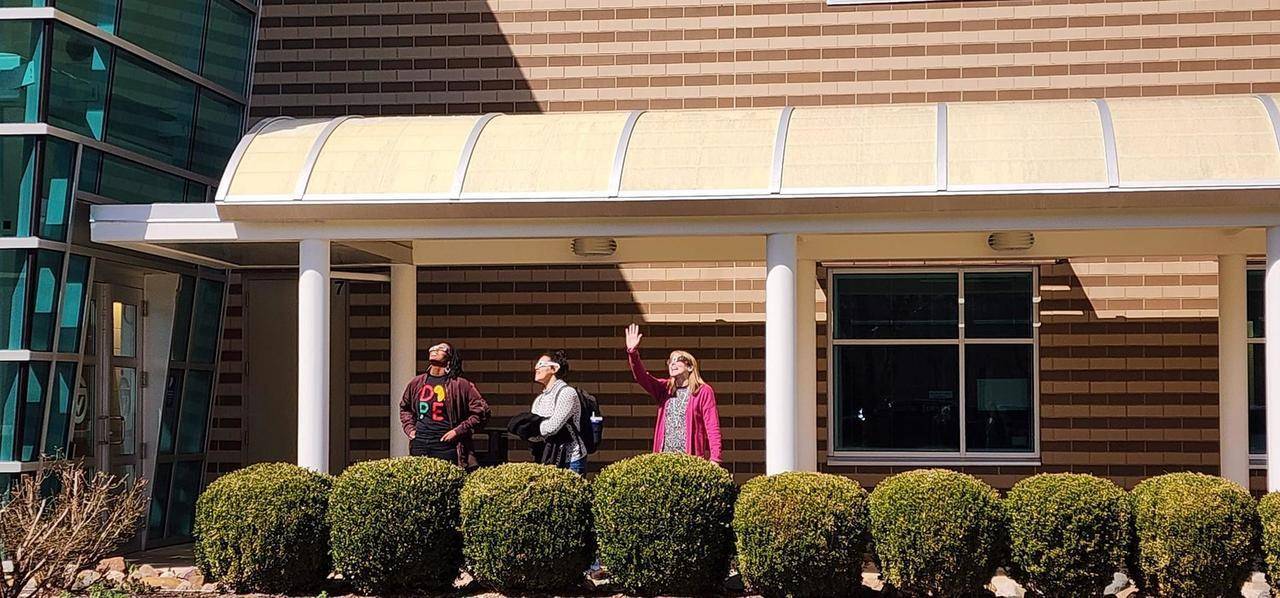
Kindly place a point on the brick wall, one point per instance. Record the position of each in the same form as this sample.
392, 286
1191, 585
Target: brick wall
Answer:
466, 56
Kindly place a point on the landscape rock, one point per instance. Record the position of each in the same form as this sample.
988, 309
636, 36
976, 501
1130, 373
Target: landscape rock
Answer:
164, 583
85, 579
1256, 587
145, 571
114, 576
209, 587
115, 563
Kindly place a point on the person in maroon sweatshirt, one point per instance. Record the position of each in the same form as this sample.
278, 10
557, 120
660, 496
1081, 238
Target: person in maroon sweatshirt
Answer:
440, 409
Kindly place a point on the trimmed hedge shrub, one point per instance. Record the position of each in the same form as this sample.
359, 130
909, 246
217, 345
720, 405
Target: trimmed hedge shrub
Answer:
1197, 535
937, 531
1269, 511
801, 534
395, 524
1069, 533
262, 529
664, 523
527, 527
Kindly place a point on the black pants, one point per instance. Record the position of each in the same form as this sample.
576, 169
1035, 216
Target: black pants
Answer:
422, 448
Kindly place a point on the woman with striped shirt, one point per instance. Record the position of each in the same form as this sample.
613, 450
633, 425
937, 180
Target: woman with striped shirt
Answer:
558, 403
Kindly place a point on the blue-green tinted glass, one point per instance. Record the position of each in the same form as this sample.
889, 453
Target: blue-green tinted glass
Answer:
1253, 301
208, 314
130, 182
217, 132
95, 12
73, 301
55, 439
997, 305
159, 500
169, 411
151, 111
44, 305
13, 298
33, 411
78, 81
55, 190
170, 28
17, 185
20, 3
226, 53
182, 505
195, 192
194, 412
1257, 398
182, 318
90, 169
10, 375
20, 50
919, 306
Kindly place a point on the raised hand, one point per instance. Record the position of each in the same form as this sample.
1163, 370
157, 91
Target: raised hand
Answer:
633, 337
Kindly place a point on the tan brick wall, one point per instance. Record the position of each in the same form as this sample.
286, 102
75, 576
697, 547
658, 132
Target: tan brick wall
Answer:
226, 428
466, 56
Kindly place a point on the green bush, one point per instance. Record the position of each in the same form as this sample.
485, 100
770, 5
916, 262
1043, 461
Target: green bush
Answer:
801, 534
937, 531
395, 524
1069, 533
527, 527
1269, 510
1197, 535
262, 529
664, 523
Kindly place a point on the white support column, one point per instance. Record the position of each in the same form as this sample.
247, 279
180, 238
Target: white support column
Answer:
404, 346
313, 354
1271, 314
806, 365
1233, 371
780, 405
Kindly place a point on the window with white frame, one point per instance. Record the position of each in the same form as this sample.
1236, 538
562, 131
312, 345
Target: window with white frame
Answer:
934, 364
1257, 364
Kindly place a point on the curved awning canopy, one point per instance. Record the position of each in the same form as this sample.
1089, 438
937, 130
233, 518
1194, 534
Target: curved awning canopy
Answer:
1043, 146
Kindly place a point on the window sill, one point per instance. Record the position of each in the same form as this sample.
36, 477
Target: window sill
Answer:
881, 460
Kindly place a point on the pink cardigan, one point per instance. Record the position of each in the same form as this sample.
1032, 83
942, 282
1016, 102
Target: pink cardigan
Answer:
702, 419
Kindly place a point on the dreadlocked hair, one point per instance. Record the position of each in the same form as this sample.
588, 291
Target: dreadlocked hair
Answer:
455, 363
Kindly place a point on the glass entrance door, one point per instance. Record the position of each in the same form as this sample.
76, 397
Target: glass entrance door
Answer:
120, 378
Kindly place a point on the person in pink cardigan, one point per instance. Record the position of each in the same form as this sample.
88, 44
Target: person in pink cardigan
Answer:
688, 421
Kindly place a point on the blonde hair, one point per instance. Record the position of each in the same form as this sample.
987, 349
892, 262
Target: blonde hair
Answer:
695, 377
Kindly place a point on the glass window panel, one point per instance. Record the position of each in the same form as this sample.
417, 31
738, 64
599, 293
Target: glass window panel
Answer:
10, 377
17, 185
182, 318
130, 182
895, 306
20, 3
13, 298
897, 398
186, 488
44, 305
124, 318
208, 314
195, 192
33, 411
226, 54
73, 296
170, 28
169, 412
194, 412
96, 12
159, 500
217, 133
64, 380
55, 203
124, 407
151, 111
90, 169
78, 82
20, 51
1257, 398
999, 398
1253, 301
82, 415
997, 304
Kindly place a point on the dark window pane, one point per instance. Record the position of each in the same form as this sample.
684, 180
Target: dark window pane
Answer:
82, 414
159, 500
194, 412
170, 28
226, 54
55, 204
73, 299
13, 298
20, 3
64, 379
999, 398
10, 386
33, 411
997, 305
90, 169
95, 12
872, 306
208, 314
186, 488
78, 82
44, 305
151, 111
17, 185
1257, 398
129, 182
217, 133
182, 319
20, 50
1253, 299
169, 412
897, 398
195, 192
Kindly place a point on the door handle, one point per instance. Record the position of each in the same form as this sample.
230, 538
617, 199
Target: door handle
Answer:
108, 441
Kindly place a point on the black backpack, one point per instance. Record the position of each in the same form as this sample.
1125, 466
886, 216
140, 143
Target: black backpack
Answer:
591, 432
